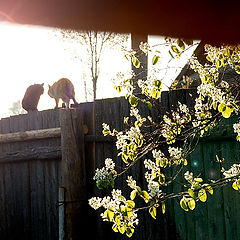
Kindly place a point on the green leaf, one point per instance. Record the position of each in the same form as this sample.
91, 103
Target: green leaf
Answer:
184, 205
133, 194
149, 105
136, 62
191, 203
153, 212
181, 44
202, 195
155, 60
133, 101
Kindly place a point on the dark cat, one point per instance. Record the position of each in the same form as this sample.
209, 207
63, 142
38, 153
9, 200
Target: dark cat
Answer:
32, 96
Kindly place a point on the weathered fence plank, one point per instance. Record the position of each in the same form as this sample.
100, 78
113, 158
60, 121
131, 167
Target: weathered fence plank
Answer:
73, 172
30, 135
28, 182
31, 172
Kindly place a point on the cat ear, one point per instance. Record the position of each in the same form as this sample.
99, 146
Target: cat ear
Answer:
49, 86
42, 84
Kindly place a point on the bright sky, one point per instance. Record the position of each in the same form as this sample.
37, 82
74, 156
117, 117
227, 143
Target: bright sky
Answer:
31, 55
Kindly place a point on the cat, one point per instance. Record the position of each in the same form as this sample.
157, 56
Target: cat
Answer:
63, 89
32, 96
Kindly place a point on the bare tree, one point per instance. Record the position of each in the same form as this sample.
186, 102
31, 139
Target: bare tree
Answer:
96, 43
16, 108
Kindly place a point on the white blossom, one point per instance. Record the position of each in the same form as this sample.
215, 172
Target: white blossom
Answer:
131, 183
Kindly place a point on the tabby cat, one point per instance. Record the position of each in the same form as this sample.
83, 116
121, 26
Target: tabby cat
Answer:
63, 89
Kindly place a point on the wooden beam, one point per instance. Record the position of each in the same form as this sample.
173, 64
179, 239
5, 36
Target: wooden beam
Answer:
30, 135
39, 153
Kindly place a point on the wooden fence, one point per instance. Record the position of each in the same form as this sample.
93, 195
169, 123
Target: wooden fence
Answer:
33, 169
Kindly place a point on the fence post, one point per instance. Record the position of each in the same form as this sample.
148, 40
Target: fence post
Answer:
73, 172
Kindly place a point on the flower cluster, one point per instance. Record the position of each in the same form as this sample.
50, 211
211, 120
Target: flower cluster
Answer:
173, 126
105, 176
176, 156
145, 47
118, 210
195, 182
236, 128
232, 172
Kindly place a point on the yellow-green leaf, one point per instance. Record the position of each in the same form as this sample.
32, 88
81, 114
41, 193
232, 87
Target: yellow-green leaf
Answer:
161, 179
117, 220
155, 60
109, 214
118, 88
209, 189
221, 107
236, 185
121, 229
202, 195
175, 49
185, 162
130, 203
227, 112
191, 203
115, 228
149, 105
163, 207
145, 195
133, 194
153, 212
184, 205
155, 94
181, 44
191, 193
133, 101
129, 231
198, 179
136, 62
124, 158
